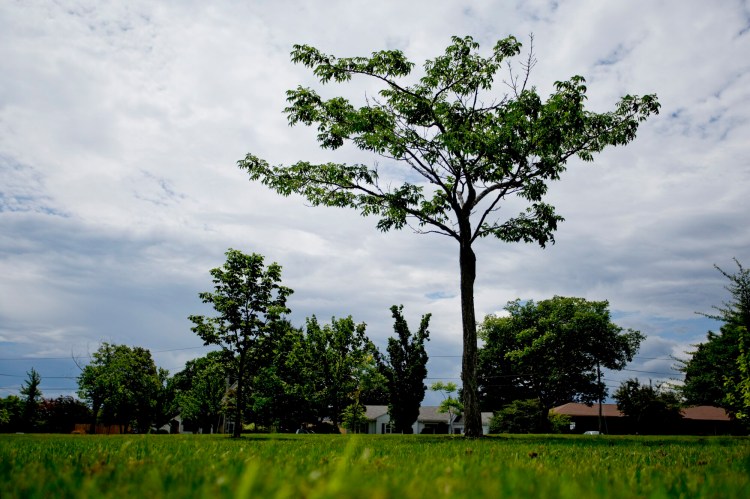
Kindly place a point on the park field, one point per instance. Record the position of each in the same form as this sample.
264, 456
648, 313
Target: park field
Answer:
372, 466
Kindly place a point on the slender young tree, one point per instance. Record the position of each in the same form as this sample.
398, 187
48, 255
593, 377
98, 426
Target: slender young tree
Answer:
405, 368
248, 300
467, 150
32, 397
450, 405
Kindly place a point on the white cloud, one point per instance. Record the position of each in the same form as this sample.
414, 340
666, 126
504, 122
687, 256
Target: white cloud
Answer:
120, 127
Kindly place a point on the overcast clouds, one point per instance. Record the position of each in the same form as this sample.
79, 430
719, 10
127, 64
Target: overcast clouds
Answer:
121, 124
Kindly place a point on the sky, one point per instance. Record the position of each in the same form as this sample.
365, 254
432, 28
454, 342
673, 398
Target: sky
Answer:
121, 124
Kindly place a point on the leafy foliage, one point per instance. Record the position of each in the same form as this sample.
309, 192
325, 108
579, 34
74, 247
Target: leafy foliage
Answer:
650, 409
123, 385
449, 405
32, 396
343, 357
200, 390
718, 371
353, 417
61, 414
520, 416
11, 414
249, 301
710, 364
405, 368
466, 150
551, 350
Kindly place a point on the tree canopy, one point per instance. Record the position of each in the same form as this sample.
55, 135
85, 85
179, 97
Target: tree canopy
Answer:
344, 357
200, 391
551, 351
32, 396
466, 147
405, 368
718, 371
249, 300
650, 409
123, 386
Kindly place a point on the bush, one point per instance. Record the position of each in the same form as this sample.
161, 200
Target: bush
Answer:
520, 416
527, 416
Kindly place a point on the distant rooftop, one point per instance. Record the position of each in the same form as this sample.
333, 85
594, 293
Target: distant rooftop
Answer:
701, 412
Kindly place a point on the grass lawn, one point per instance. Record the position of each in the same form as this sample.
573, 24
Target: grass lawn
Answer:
372, 466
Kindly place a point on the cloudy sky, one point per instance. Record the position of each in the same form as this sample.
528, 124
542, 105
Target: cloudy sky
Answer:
121, 124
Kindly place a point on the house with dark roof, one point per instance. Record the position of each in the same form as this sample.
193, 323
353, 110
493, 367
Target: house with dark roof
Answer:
699, 420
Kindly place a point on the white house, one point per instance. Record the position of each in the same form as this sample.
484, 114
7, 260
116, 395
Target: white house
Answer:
429, 421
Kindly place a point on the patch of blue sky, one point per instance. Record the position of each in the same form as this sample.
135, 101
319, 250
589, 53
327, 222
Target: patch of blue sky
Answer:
440, 295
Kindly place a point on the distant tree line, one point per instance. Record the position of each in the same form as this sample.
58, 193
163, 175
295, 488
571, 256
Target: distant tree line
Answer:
539, 355
271, 375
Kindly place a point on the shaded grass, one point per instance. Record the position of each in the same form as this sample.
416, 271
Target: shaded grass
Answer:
372, 466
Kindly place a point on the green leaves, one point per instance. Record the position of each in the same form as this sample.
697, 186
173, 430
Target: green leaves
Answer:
473, 149
405, 367
550, 350
249, 301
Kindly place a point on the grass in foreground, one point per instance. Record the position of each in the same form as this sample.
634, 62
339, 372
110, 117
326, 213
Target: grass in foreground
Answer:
372, 466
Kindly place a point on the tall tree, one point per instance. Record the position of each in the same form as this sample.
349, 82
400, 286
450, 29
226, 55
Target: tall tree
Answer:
32, 397
405, 368
249, 301
122, 384
553, 350
710, 364
721, 366
467, 151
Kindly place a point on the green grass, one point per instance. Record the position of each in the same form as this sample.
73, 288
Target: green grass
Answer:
372, 466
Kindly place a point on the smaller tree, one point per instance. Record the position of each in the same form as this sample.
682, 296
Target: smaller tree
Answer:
520, 416
650, 409
450, 405
122, 384
342, 354
353, 417
405, 368
554, 350
33, 396
60, 415
249, 300
200, 390
11, 414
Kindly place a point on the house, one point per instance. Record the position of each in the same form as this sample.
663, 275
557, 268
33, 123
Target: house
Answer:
699, 420
458, 425
429, 421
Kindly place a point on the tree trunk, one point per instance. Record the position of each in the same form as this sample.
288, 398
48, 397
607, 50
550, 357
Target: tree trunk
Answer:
599, 382
237, 430
470, 393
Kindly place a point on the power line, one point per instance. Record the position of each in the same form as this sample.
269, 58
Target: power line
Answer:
72, 357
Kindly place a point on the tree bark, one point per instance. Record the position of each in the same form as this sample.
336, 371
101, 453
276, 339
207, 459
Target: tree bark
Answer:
470, 393
237, 430
599, 382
